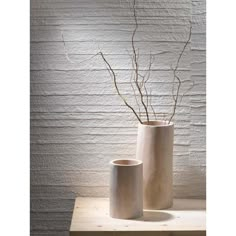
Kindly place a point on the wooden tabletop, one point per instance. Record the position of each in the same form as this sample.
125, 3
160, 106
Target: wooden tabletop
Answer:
91, 217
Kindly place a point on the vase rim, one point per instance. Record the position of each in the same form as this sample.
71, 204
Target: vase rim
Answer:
157, 123
126, 162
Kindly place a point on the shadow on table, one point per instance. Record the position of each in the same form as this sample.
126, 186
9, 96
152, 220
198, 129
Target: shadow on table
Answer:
155, 216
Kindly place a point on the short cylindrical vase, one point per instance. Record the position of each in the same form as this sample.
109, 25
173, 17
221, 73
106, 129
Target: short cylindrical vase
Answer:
126, 189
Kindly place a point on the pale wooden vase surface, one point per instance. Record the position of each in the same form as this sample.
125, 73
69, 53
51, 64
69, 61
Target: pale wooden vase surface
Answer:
126, 192
155, 149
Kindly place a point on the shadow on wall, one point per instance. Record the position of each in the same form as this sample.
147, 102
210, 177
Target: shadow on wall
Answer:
197, 184
192, 183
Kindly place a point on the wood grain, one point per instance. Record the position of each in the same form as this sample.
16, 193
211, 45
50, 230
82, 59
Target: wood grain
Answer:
91, 215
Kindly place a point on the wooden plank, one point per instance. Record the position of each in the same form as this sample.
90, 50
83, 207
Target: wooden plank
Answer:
80, 131
91, 128
107, 108
158, 28
95, 177
121, 62
106, 100
109, 139
106, 36
163, 89
107, 1
55, 192
61, 162
109, 4
93, 21
110, 100
101, 12
66, 192
92, 215
110, 109
49, 148
140, 233
160, 88
90, 124
114, 48
97, 76
70, 116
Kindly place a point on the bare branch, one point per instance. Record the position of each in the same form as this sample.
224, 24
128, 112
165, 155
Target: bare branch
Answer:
132, 79
146, 92
135, 96
175, 97
147, 74
186, 91
154, 113
148, 71
185, 45
65, 48
68, 56
136, 75
136, 61
145, 80
143, 84
116, 87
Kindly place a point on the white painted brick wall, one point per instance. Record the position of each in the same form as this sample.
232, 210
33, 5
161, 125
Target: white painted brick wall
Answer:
78, 123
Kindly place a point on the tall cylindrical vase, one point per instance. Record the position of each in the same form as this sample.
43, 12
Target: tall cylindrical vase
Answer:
155, 149
126, 192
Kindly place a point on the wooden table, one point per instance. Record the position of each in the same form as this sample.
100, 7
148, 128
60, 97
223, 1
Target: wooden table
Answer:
186, 217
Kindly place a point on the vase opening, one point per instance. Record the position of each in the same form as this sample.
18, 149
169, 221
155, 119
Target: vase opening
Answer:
157, 123
126, 162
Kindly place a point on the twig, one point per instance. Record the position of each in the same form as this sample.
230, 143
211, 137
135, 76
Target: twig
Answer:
176, 98
176, 77
186, 91
116, 87
136, 62
147, 74
131, 83
135, 96
135, 78
154, 113
68, 56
